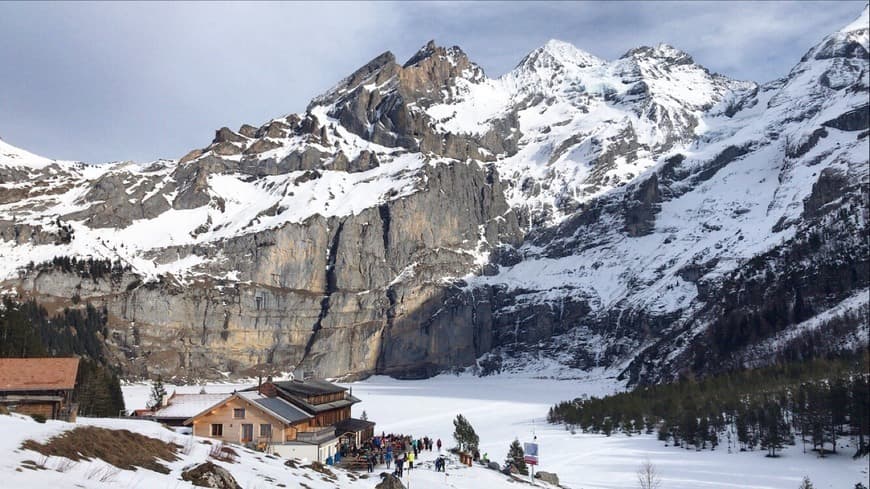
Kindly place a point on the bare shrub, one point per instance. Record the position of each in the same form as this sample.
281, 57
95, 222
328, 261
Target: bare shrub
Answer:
109, 473
188, 446
64, 464
648, 476
223, 453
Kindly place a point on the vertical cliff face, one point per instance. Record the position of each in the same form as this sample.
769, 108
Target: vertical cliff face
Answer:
422, 216
339, 295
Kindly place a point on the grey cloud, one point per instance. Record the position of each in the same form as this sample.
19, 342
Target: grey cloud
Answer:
107, 81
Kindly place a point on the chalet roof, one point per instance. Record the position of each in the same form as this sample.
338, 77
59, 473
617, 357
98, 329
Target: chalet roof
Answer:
297, 392
276, 406
312, 387
38, 374
186, 405
352, 425
327, 406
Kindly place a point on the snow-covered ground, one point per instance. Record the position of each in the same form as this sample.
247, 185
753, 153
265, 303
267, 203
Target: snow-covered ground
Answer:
503, 407
25, 469
253, 470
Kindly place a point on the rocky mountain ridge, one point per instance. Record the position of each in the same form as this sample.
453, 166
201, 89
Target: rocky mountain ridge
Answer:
641, 214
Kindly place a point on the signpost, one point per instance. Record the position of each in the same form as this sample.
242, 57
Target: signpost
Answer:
530, 455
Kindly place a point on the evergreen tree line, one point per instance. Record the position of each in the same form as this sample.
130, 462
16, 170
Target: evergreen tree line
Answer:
812, 402
87, 268
27, 330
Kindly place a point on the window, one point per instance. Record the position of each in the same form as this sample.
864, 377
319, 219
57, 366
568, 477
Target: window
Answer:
239, 413
265, 431
217, 430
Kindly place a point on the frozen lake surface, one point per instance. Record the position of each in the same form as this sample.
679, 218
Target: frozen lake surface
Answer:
505, 407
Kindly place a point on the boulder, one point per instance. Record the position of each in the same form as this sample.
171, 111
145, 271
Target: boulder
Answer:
210, 475
226, 135
548, 477
364, 162
248, 131
389, 481
225, 148
274, 129
194, 154
261, 146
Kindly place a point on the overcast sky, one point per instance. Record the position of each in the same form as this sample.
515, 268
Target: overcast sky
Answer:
138, 81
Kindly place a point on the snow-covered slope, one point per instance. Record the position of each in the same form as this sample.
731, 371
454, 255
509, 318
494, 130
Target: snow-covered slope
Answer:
13, 157
27, 469
773, 167
418, 215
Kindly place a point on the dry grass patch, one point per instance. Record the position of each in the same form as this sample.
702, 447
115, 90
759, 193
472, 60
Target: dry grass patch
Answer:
121, 448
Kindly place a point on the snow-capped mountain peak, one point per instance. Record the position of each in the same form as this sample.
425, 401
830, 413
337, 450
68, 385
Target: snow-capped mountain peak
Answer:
862, 22
570, 185
660, 52
852, 41
555, 53
11, 156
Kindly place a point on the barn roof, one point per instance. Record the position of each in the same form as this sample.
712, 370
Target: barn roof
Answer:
38, 374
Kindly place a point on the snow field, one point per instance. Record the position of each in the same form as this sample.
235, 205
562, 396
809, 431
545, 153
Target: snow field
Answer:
504, 407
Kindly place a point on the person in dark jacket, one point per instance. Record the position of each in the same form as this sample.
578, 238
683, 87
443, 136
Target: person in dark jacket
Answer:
400, 462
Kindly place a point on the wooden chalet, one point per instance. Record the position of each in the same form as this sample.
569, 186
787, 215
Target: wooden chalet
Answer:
297, 418
39, 386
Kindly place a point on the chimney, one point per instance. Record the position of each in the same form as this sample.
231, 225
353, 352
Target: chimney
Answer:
164, 401
268, 388
299, 375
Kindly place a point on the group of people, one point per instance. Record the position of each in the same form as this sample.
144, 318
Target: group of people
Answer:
397, 452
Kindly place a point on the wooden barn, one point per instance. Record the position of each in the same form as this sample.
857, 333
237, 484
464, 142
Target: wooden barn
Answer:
39, 386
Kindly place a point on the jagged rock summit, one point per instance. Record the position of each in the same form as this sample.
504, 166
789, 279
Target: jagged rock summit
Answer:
641, 214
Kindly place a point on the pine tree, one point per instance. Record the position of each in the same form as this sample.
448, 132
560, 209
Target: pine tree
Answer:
364, 416
464, 434
774, 429
859, 419
516, 457
806, 484
158, 392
